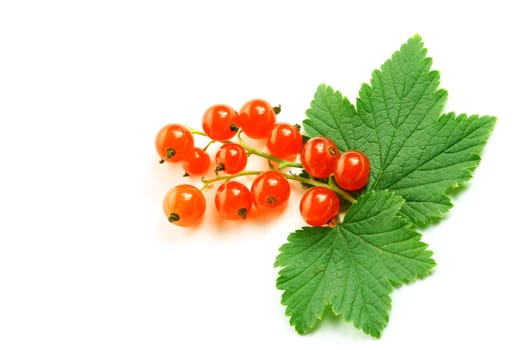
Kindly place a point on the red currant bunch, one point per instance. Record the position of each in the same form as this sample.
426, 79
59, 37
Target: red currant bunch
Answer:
330, 176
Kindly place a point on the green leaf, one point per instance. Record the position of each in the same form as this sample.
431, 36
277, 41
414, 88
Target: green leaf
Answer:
417, 155
332, 115
353, 267
413, 149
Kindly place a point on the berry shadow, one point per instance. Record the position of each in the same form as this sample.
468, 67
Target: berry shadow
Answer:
256, 221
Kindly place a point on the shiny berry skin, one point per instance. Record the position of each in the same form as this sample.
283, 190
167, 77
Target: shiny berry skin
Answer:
197, 162
233, 201
220, 122
285, 141
351, 170
270, 191
318, 156
319, 206
231, 158
174, 142
184, 205
257, 118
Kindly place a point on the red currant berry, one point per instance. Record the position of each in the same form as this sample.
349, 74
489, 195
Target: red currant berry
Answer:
351, 170
184, 205
285, 141
319, 205
220, 122
231, 157
318, 156
197, 162
174, 143
233, 200
270, 191
257, 118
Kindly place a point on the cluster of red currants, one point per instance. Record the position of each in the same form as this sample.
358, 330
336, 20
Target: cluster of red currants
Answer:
329, 174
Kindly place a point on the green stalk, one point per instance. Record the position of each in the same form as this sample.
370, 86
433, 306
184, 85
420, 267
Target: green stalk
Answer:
228, 177
330, 185
195, 131
282, 163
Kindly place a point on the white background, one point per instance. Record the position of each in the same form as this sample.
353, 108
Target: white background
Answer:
87, 260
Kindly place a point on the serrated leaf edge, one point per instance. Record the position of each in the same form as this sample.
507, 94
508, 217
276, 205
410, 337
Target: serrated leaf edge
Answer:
392, 287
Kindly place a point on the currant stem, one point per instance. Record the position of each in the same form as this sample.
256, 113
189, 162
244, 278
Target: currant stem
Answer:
208, 145
330, 185
286, 164
207, 182
282, 163
196, 132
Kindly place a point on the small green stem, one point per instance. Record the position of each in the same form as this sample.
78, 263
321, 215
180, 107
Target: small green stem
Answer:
286, 164
208, 145
196, 132
207, 182
330, 185
282, 163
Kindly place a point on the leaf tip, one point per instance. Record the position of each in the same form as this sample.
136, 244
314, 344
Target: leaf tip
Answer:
416, 37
